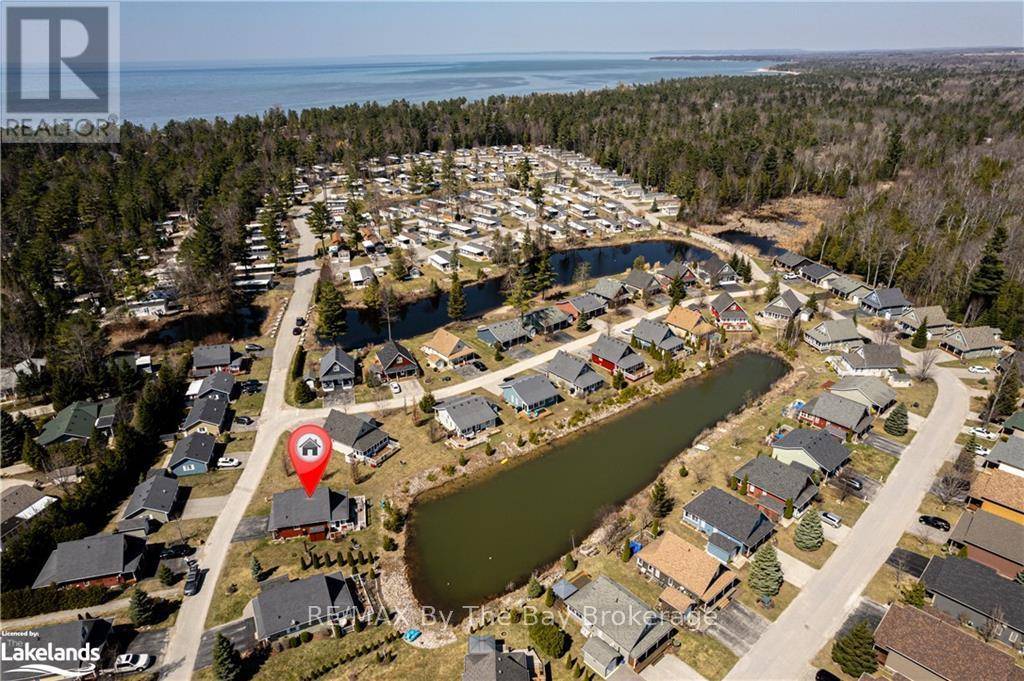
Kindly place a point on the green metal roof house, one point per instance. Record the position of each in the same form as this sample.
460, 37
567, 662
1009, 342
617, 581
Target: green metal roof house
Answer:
77, 420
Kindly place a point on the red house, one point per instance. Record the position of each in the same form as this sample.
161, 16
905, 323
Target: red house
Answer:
730, 315
616, 356
324, 515
100, 560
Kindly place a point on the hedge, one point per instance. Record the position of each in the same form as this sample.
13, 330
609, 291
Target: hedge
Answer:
30, 602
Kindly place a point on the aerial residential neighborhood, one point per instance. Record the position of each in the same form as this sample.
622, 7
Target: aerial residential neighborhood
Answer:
728, 390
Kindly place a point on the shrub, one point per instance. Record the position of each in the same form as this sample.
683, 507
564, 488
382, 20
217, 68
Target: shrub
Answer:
549, 639
390, 544
305, 637
534, 588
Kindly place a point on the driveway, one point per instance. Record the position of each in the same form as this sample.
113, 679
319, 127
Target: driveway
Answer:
251, 527
241, 633
884, 444
794, 570
204, 507
519, 354
738, 627
907, 561
670, 668
150, 643
867, 610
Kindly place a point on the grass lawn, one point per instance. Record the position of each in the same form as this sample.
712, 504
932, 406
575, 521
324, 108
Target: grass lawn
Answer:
240, 442
849, 510
706, 654
815, 559
872, 462
249, 405
919, 397
931, 505
887, 585
878, 427
781, 600
922, 545
216, 483
194, 531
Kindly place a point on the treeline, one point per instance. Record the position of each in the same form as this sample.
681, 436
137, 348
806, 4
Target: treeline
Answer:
718, 143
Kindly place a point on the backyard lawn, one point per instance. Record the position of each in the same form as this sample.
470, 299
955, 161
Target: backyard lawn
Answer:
872, 462
780, 602
816, 559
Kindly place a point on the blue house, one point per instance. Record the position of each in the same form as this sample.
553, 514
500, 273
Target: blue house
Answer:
192, 455
733, 526
530, 394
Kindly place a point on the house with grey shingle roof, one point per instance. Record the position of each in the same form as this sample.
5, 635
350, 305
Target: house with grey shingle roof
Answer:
788, 260
546, 320
1014, 361
192, 455
640, 282
649, 333
337, 370
207, 415
933, 317
832, 412
219, 383
289, 607
885, 302
847, 288
977, 341
714, 272
466, 416
871, 359
816, 449
530, 394
620, 628
394, 360
100, 560
323, 515
154, 498
616, 356
587, 306
817, 274
505, 333
771, 483
868, 390
611, 290
486, 661
991, 540
1007, 455
207, 359
358, 436
782, 308
730, 314
574, 373
742, 527
833, 334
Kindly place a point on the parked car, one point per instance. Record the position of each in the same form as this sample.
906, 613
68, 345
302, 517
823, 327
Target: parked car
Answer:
244, 420
479, 366
228, 462
983, 433
131, 663
193, 579
790, 276
854, 483
395, 388
934, 521
977, 369
300, 321
979, 450
296, 331
175, 551
825, 675
831, 519
253, 347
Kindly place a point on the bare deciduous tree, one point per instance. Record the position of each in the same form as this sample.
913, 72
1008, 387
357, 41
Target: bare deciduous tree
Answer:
925, 363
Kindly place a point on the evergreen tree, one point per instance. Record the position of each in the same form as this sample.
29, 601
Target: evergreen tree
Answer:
268, 228
141, 608
765, 578
372, 297
893, 154
626, 553
427, 403
809, 535
319, 222
677, 291
744, 485
399, 264
201, 249
1007, 394
10, 439
990, 274
896, 423
519, 295
456, 298
582, 324
569, 563
920, 338
788, 512
1020, 577
255, 568
855, 652
772, 290
330, 311
914, 595
302, 393
165, 575
661, 502
618, 381
543, 275
227, 663
534, 588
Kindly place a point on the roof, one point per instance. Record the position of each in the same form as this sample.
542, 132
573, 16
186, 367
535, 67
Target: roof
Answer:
1015, 422
991, 532
722, 301
16, 499
206, 356
337, 362
786, 303
1014, 359
838, 410
288, 604
640, 280
468, 412
156, 493
934, 314
546, 317
974, 338
875, 356
885, 298
359, 431
587, 303
846, 285
943, 649
76, 420
1001, 487
292, 508
619, 615
779, 479
826, 449
874, 390
658, 333
532, 389
389, 352
791, 259
508, 330
209, 410
574, 370
683, 562
194, 447
615, 351
608, 288
101, 555
1010, 452
563, 588
688, 320
221, 381
977, 587
448, 345
673, 269
815, 271
676, 598
600, 652
730, 515
835, 331
484, 662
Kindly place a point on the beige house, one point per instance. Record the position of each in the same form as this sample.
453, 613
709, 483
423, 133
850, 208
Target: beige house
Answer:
446, 350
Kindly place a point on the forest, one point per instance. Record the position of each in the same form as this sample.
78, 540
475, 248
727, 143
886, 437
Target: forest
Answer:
925, 154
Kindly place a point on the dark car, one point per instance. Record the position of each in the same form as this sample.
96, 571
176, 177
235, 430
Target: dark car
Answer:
175, 551
296, 331
244, 420
934, 521
301, 321
480, 366
253, 347
825, 675
193, 580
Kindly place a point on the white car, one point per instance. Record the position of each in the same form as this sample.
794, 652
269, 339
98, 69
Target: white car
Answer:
832, 519
977, 369
790, 276
983, 434
981, 451
228, 462
395, 388
131, 663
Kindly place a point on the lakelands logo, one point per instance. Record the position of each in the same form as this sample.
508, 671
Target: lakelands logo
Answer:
47, 659
61, 76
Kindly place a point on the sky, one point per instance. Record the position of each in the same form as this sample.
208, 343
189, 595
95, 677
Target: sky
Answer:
269, 31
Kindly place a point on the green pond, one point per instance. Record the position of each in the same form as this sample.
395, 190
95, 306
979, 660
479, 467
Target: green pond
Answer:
472, 544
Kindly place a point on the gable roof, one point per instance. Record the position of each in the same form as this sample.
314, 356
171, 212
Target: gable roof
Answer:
210, 410
219, 381
78, 419
730, 515
991, 532
337, 362
790, 259
101, 555
845, 285
1010, 452
681, 561
390, 351
885, 298
531, 389
640, 280
815, 271
782, 480
875, 356
974, 338
194, 447
545, 317
207, 356
934, 314
945, 650
838, 410
615, 351
292, 508
976, 586
467, 412
289, 604
874, 390
448, 345
73, 635
673, 269
587, 303
1015, 359
156, 493
358, 431
508, 330
484, 662
574, 370
786, 303
826, 449
1001, 487
835, 331
650, 331
608, 288
688, 320
619, 615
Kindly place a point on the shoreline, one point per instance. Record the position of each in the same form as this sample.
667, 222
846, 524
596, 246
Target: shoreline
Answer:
779, 72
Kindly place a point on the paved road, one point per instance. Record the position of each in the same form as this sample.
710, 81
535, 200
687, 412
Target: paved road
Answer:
817, 613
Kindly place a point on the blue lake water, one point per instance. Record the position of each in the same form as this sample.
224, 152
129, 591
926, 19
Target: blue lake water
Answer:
156, 93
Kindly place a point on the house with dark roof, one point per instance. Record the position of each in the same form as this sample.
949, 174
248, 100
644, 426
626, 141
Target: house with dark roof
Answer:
192, 455
730, 314
868, 390
155, 498
651, 334
990, 540
611, 290
207, 415
976, 595
915, 645
18, 505
735, 526
324, 515
714, 272
486, 660
358, 437
817, 450
847, 288
1013, 361
676, 269
337, 370
888, 303
817, 274
206, 359
771, 484
977, 341
78, 420
873, 359
838, 414
220, 384
1007, 456
505, 333
284, 608
39, 643
529, 394
619, 627
587, 306
693, 580
788, 260
394, 360
782, 308
932, 316
466, 416
640, 283
616, 356
833, 334
573, 373
546, 320
100, 560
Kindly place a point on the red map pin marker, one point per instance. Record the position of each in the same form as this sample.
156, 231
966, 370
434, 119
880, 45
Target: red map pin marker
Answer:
310, 449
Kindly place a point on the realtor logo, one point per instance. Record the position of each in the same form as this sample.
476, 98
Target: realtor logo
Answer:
61, 81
